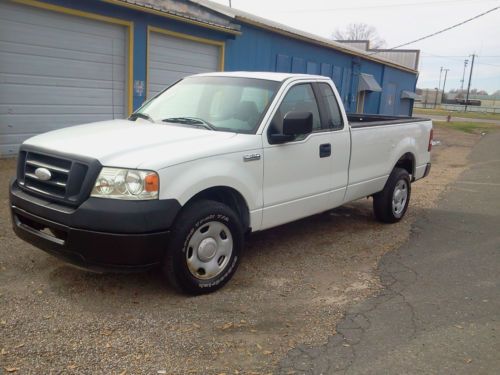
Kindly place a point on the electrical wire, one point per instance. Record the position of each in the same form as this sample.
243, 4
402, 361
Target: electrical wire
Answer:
428, 54
382, 6
443, 30
461, 58
482, 63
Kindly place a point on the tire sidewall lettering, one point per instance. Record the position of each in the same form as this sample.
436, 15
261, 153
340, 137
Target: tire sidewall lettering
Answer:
235, 257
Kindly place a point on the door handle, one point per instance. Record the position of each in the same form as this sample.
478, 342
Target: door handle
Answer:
325, 150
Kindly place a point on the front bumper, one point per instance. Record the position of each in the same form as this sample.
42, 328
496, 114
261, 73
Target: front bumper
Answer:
100, 234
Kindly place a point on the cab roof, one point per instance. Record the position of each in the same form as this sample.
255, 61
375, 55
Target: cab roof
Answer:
270, 76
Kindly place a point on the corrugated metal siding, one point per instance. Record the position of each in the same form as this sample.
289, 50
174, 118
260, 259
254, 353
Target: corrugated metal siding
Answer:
258, 49
404, 58
401, 81
171, 59
372, 99
57, 70
388, 105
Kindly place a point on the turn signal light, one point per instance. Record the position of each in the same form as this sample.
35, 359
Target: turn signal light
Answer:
151, 182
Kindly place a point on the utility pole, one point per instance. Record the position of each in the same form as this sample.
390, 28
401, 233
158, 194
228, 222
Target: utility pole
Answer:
440, 72
444, 83
230, 6
466, 61
470, 79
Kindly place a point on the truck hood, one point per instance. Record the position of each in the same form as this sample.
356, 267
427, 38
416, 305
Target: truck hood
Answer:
134, 144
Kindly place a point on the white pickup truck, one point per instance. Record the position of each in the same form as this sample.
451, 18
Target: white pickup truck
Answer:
211, 158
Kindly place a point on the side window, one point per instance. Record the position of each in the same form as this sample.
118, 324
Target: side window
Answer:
333, 113
299, 98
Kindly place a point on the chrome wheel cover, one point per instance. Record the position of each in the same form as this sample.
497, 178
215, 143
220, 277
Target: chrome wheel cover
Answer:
209, 250
399, 198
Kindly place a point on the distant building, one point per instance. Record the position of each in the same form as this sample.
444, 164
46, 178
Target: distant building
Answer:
406, 57
429, 97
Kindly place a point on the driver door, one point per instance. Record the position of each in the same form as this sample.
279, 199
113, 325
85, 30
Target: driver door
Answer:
298, 174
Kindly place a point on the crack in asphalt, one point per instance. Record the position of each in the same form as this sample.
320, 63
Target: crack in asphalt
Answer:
453, 327
339, 354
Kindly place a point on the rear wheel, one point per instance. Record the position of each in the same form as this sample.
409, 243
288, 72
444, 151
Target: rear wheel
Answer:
390, 204
205, 247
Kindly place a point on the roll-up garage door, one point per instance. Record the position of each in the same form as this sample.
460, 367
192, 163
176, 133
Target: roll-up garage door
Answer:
57, 70
171, 58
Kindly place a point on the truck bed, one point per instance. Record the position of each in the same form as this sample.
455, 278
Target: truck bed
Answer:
359, 120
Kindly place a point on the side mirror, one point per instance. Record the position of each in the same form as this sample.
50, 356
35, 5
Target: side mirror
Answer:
294, 123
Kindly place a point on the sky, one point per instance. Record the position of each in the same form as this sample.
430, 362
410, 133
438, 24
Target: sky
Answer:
402, 21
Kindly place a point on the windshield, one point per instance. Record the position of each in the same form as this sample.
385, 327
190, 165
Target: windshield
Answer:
218, 103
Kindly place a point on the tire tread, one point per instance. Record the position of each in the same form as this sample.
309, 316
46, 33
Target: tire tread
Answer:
186, 219
382, 201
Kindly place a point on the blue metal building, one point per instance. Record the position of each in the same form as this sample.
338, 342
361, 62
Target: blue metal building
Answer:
65, 62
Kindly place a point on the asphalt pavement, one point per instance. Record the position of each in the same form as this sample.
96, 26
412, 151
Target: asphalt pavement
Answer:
439, 310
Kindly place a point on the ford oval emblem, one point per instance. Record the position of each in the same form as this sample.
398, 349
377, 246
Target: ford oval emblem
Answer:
43, 174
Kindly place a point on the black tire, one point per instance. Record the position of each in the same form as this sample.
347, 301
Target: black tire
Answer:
193, 219
382, 201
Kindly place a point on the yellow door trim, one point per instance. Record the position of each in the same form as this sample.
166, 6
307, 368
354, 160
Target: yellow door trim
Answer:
79, 13
160, 13
218, 43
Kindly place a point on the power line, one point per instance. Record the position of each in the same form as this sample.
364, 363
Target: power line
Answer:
460, 58
428, 54
381, 6
482, 63
443, 30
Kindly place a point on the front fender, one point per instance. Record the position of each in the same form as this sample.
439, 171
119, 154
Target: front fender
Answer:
184, 181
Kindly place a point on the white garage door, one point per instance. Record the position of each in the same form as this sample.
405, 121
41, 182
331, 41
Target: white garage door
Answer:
171, 58
57, 70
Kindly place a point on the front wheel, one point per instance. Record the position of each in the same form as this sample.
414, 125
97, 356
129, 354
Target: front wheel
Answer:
205, 247
390, 204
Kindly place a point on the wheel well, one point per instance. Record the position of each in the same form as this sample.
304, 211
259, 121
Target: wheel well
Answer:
230, 197
407, 161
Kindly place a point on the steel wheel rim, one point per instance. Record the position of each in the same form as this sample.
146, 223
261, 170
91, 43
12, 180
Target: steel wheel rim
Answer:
209, 250
399, 197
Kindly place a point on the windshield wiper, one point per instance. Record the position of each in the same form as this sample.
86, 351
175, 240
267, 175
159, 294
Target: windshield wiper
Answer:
194, 121
134, 116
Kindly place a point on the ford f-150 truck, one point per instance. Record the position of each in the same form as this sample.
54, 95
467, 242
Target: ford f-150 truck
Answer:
205, 162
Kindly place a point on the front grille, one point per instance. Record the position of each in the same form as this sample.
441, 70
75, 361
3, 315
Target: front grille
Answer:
60, 170
68, 180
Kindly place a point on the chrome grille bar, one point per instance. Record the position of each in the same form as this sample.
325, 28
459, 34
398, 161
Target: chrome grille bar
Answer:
36, 163
55, 183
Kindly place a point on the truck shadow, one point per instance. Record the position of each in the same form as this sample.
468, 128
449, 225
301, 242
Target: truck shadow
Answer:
263, 251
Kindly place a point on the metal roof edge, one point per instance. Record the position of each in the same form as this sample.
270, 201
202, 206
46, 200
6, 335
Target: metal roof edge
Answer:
174, 15
282, 29
328, 44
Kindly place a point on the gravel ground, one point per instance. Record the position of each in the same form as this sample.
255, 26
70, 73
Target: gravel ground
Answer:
293, 285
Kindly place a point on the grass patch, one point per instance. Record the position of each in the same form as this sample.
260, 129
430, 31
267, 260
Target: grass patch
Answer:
442, 112
469, 127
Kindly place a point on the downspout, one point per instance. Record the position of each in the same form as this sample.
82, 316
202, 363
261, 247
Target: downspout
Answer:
414, 90
356, 69
382, 82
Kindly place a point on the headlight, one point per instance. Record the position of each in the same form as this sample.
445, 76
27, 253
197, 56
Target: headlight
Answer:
132, 184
